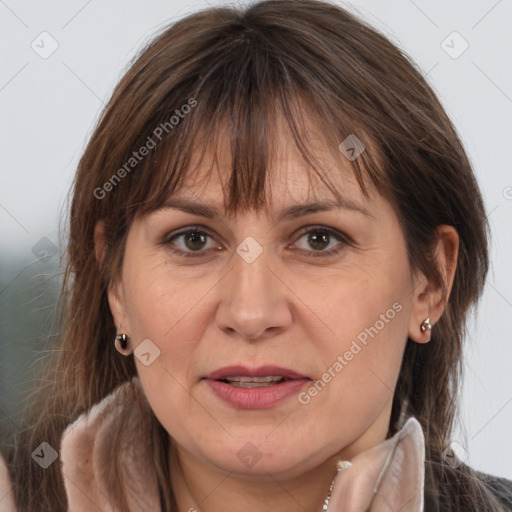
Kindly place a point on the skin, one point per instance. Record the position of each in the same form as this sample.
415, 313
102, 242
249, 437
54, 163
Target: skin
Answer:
287, 308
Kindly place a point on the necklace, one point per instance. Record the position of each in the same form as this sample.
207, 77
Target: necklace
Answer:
341, 464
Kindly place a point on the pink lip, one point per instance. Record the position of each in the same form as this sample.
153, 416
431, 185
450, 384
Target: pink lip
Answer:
255, 398
261, 371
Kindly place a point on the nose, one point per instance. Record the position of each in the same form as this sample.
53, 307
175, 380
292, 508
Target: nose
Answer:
254, 301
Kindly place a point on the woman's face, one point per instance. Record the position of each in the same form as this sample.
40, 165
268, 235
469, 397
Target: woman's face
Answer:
321, 296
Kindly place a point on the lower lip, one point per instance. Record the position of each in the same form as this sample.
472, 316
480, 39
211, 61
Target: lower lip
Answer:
256, 398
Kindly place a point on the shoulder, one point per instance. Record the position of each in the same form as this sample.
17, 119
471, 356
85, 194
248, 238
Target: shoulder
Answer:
499, 487
6, 495
107, 453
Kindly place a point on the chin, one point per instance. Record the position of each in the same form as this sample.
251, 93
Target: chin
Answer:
259, 458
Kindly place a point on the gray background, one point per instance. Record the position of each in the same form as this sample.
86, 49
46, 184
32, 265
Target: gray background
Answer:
48, 107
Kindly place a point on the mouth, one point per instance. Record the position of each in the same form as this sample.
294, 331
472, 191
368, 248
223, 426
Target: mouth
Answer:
254, 382
255, 388
243, 377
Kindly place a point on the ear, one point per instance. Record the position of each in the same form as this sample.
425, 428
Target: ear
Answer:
115, 297
429, 299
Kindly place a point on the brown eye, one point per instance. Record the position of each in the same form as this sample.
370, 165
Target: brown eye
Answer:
194, 240
317, 240
190, 242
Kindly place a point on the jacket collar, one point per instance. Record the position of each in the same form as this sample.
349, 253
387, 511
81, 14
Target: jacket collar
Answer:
386, 477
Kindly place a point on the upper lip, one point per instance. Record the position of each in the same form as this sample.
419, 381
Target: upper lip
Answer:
261, 371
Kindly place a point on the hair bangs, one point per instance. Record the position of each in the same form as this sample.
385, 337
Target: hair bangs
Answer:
250, 97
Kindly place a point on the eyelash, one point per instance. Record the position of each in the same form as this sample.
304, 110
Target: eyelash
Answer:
343, 239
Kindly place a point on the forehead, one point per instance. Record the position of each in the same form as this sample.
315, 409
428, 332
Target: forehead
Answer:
290, 178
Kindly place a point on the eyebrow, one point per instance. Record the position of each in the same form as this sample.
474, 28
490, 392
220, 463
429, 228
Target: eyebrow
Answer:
288, 213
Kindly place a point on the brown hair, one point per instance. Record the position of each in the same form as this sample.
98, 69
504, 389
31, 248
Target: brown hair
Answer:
304, 59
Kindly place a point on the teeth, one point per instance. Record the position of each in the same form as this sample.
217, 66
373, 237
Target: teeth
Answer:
252, 384
253, 379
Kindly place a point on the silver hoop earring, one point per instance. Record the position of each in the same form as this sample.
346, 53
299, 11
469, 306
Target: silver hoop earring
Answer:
121, 344
426, 325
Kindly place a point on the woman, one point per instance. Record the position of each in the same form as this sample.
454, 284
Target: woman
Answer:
277, 227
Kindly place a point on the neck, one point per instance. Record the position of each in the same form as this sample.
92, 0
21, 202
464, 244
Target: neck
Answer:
201, 487
206, 489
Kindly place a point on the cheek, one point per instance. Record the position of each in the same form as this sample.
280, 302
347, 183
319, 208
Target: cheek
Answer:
157, 299
369, 344
367, 312
169, 309
162, 310
169, 319
362, 306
